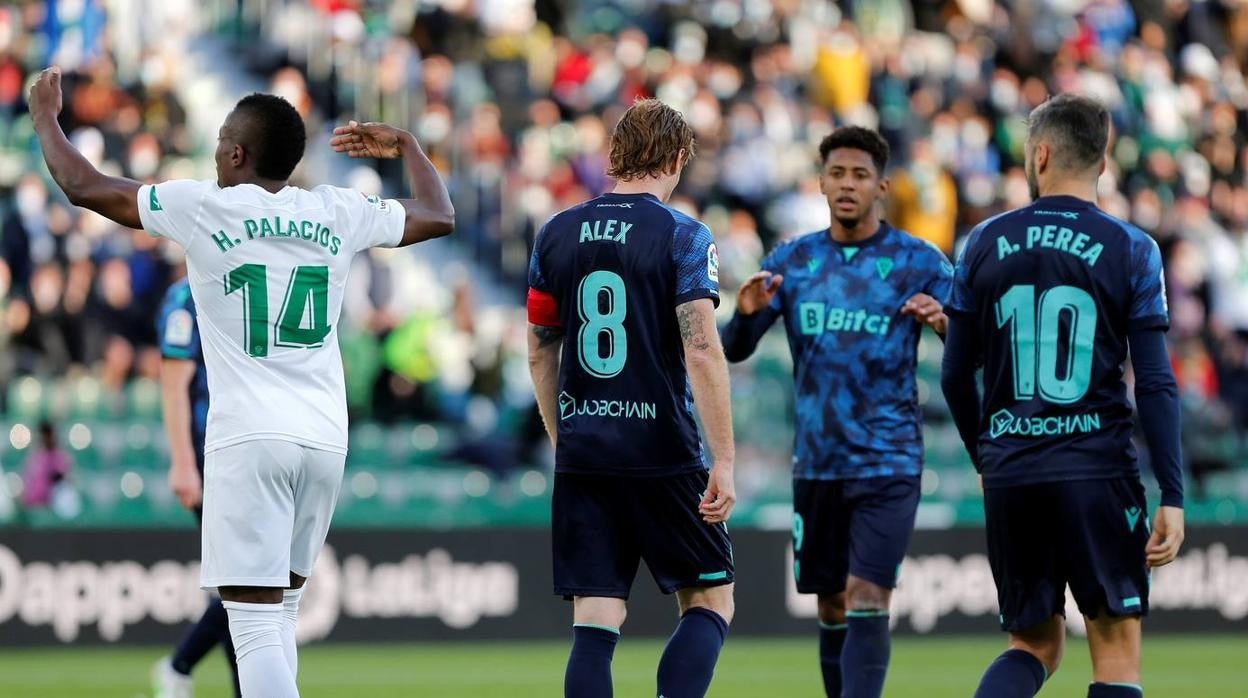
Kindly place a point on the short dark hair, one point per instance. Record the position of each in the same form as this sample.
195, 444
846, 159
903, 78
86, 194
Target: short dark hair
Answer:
273, 134
857, 138
1075, 126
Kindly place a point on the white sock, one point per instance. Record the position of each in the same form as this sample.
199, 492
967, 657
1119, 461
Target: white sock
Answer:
290, 616
256, 629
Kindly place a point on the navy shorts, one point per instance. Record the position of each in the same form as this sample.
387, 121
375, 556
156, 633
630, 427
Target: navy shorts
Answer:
603, 525
1089, 534
844, 527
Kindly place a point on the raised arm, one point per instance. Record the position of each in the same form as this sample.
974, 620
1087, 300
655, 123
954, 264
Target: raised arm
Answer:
429, 210
754, 316
708, 378
115, 198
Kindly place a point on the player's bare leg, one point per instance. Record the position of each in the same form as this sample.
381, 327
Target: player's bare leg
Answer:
832, 628
1033, 656
596, 623
1115, 646
864, 660
688, 661
256, 625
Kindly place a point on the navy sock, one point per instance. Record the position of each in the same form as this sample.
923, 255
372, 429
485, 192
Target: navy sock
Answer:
589, 665
831, 641
1114, 690
1015, 674
864, 660
688, 661
201, 638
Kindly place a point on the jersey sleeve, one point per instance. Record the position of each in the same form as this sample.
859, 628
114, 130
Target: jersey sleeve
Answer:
179, 336
696, 261
1148, 287
171, 209
961, 296
537, 279
940, 279
368, 221
542, 307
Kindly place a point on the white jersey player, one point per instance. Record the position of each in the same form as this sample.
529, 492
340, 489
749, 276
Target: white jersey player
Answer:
267, 263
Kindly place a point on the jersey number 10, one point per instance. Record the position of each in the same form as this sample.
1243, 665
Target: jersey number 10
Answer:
297, 324
1034, 344
602, 330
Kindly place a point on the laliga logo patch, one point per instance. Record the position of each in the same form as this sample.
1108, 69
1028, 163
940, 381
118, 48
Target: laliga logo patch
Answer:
712, 263
379, 202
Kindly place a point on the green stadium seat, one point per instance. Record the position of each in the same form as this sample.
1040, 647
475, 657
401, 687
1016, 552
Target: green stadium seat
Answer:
143, 399
26, 399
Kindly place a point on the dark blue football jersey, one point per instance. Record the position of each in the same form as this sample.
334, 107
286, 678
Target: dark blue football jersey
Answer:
617, 267
179, 339
1054, 289
853, 351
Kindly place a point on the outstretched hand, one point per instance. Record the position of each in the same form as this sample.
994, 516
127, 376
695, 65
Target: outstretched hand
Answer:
45, 94
926, 310
369, 140
757, 291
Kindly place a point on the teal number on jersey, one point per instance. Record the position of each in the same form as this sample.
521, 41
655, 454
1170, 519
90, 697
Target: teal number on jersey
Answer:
298, 325
602, 331
303, 319
253, 282
1035, 344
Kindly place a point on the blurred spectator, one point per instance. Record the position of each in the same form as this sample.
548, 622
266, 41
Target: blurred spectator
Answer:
47, 466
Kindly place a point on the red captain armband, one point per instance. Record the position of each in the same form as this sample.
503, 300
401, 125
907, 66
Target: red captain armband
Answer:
543, 310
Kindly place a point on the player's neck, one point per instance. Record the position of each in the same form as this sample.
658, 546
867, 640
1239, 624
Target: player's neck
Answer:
272, 186
658, 187
1085, 190
865, 229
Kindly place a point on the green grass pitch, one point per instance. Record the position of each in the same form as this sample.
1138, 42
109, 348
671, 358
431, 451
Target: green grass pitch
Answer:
1179, 667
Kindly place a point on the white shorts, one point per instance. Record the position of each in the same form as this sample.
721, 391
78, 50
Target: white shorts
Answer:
267, 506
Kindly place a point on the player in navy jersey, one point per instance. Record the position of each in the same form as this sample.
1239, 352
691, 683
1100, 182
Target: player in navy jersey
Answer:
854, 299
622, 346
1048, 299
184, 406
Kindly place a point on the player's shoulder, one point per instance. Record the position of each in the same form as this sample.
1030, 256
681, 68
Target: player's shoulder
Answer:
789, 250
1132, 235
178, 191
909, 242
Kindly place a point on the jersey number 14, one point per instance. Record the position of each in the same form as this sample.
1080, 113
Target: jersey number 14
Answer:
1034, 344
303, 319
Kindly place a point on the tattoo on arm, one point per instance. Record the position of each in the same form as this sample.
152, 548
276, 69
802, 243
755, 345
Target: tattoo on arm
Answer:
692, 327
546, 335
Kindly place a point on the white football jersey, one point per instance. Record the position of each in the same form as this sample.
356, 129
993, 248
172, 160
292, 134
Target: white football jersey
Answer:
267, 273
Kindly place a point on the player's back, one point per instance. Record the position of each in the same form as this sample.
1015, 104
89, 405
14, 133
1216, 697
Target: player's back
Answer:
1055, 287
618, 266
267, 272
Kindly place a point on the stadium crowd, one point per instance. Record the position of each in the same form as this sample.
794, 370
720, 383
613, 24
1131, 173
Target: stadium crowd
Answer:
513, 99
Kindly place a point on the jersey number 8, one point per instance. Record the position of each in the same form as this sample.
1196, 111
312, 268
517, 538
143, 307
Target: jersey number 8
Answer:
602, 330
